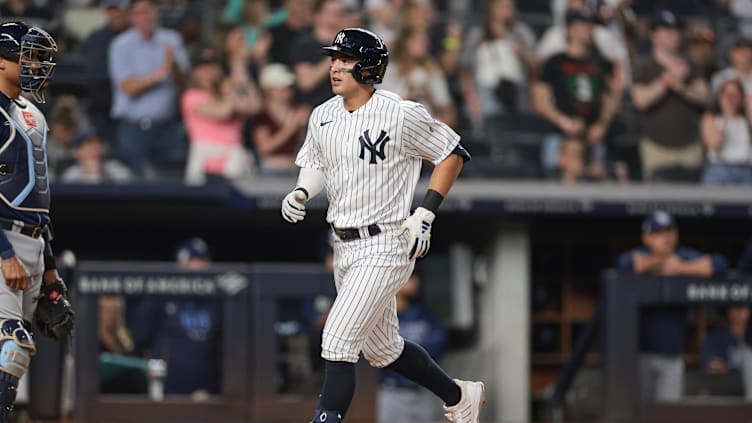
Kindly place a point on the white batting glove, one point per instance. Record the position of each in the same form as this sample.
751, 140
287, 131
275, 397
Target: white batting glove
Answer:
418, 226
293, 206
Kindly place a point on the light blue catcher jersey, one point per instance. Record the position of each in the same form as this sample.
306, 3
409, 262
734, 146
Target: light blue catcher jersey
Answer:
24, 187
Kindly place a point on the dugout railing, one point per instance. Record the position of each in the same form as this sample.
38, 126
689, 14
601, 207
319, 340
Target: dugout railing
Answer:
250, 296
617, 321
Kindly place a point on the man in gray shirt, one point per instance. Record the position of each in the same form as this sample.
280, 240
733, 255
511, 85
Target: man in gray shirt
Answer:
147, 66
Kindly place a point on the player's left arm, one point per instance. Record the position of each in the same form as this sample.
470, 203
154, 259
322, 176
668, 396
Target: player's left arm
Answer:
432, 140
418, 225
444, 174
50, 274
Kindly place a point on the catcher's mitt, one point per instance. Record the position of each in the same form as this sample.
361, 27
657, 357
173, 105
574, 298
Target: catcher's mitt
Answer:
54, 313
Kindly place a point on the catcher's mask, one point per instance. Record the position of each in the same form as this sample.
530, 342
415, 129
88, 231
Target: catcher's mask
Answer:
33, 49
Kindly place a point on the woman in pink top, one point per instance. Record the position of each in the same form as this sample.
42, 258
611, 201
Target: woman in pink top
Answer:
214, 110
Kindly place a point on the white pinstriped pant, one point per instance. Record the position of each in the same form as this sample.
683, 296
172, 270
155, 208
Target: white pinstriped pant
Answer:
368, 273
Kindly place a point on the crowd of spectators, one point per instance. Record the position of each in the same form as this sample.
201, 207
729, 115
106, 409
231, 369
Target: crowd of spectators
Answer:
620, 90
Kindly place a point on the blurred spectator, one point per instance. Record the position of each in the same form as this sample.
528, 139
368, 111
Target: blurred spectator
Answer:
572, 163
310, 66
91, 167
700, 45
96, 52
724, 348
740, 60
459, 76
25, 9
353, 17
190, 26
298, 21
384, 18
279, 129
668, 89
742, 11
147, 65
252, 24
414, 75
120, 372
663, 330
575, 93
608, 37
173, 12
726, 134
253, 14
214, 109
65, 121
502, 59
417, 14
400, 400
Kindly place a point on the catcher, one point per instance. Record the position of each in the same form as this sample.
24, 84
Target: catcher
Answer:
31, 288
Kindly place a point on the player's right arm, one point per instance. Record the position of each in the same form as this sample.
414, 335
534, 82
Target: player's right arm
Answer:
311, 177
14, 272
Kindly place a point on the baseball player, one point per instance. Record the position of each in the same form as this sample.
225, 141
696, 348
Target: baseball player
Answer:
31, 287
365, 146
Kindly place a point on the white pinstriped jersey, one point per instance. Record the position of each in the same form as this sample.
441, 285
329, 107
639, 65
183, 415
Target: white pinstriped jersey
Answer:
371, 157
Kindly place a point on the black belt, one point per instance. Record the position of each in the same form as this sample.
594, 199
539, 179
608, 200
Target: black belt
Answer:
34, 231
349, 234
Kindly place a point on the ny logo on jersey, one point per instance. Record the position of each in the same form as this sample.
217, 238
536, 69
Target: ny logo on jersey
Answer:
376, 148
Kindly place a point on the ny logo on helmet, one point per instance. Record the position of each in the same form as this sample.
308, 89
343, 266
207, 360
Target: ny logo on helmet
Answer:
340, 38
375, 148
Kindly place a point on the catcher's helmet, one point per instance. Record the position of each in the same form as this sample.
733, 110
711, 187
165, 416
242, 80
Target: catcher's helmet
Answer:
367, 48
33, 49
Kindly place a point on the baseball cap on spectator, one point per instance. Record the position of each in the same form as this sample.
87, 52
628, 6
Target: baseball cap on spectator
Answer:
701, 34
205, 56
276, 75
84, 135
580, 15
742, 42
657, 221
123, 4
194, 248
664, 19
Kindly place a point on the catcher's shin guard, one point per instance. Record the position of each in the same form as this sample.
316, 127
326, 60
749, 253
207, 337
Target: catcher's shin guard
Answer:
8, 384
16, 347
323, 416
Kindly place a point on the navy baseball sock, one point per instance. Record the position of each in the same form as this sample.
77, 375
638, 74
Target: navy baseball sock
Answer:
339, 387
415, 364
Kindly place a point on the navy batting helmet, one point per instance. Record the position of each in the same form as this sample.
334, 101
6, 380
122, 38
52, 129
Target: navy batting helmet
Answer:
32, 48
367, 48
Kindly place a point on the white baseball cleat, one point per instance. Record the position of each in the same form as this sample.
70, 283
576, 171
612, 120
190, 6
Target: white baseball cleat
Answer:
472, 399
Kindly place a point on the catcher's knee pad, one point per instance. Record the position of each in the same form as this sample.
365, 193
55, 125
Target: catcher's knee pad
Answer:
16, 347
